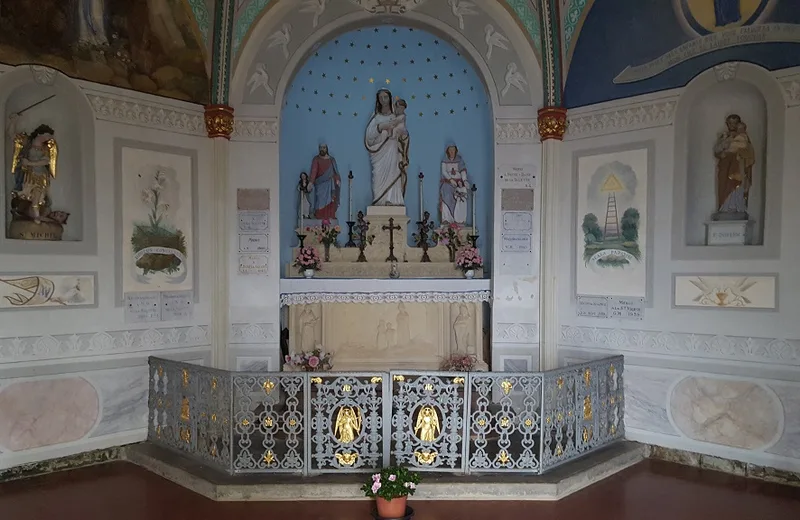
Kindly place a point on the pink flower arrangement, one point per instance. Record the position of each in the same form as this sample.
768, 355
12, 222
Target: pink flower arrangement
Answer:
448, 234
392, 482
469, 258
325, 233
307, 258
459, 363
315, 361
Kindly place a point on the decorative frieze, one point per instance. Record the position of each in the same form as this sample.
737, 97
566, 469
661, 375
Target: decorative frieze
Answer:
516, 132
101, 343
133, 112
622, 119
713, 346
256, 130
385, 297
253, 333
516, 333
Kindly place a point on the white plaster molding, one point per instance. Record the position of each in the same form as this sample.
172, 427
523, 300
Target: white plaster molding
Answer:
253, 333
385, 297
387, 6
726, 71
516, 131
118, 109
101, 343
791, 88
713, 346
256, 130
516, 333
43, 75
615, 119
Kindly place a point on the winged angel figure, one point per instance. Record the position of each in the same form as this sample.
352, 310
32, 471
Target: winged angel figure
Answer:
33, 166
348, 424
315, 7
427, 426
728, 296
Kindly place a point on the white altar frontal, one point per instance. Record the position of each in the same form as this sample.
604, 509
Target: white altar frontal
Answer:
387, 324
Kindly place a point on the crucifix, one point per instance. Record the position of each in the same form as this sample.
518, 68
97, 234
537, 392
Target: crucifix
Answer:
391, 227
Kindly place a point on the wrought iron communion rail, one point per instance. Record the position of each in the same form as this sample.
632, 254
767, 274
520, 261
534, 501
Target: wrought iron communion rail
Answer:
334, 422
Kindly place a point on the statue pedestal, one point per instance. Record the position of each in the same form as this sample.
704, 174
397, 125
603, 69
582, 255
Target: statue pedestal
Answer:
727, 232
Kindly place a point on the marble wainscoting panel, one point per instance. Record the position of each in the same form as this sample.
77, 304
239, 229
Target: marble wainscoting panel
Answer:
740, 414
46, 412
79, 460
123, 395
646, 396
789, 443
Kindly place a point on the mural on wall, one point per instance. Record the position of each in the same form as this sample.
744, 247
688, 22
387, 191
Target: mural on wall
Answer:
436, 97
665, 44
156, 221
18, 291
152, 46
726, 292
612, 208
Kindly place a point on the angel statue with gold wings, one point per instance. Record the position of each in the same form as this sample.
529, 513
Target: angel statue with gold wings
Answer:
34, 166
427, 427
348, 424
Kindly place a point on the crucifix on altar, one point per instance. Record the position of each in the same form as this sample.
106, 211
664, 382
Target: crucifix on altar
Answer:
391, 228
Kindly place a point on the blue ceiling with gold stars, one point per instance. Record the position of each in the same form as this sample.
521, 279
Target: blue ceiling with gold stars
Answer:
332, 99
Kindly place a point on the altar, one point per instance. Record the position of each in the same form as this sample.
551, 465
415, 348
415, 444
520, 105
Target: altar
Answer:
387, 324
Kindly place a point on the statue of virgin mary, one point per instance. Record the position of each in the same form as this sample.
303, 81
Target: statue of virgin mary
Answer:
385, 154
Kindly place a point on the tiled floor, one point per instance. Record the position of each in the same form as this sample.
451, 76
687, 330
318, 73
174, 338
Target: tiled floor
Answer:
649, 491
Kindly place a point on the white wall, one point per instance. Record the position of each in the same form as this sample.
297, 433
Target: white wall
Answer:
57, 352
747, 353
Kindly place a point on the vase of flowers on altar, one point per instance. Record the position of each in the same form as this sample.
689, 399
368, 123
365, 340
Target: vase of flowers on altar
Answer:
326, 234
448, 235
307, 261
459, 363
391, 488
468, 259
316, 360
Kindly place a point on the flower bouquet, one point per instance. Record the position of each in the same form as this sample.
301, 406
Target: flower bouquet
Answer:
307, 261
468, 259
449, 235
326, 234
391, 488
459, 363
315, 361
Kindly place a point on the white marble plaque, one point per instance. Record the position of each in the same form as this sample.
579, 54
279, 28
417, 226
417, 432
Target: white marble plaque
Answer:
177, 305
55, 291
254, 243
727, 232
522, 176
517, 199
592, 306
516, 264
512, 243
626, 308
142, 307
252, 199
518, 221
253, 221
254, 264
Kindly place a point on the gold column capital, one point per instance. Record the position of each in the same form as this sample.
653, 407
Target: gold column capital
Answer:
552, 123
219, 121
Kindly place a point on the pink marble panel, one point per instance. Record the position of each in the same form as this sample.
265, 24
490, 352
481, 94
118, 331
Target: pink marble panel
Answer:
46, 412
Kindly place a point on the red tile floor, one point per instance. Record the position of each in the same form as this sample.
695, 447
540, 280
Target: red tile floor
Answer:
651, 490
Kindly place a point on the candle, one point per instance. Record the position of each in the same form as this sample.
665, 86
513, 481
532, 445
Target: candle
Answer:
421, 205
300, 207
350, 196
474, 193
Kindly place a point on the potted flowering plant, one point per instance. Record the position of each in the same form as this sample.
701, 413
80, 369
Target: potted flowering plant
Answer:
468, 259
459, 363
391, 488
326, 234
448, 234
315, 361
307, 261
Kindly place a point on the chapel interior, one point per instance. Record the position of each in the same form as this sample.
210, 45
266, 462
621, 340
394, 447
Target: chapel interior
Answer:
539, 251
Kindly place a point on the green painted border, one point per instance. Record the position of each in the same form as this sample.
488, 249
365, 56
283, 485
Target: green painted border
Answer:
202, 17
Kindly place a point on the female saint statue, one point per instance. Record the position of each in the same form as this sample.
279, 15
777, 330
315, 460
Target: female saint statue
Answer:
388, 152
735, 159
454, 187
92, 23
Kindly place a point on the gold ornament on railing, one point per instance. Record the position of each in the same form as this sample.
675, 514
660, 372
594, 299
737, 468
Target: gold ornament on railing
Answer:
427, 426
425, 457
348, 424
552, 123
346, 459
219, 121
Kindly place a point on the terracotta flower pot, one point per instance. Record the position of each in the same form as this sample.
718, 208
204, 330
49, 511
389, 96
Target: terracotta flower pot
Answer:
395, 508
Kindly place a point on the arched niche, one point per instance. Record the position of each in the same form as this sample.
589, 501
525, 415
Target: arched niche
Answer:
750, 92
260, 48
63, 107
